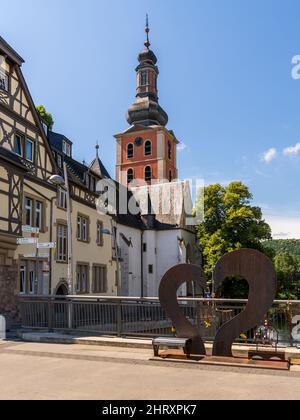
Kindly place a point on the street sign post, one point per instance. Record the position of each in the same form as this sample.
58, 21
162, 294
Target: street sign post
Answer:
29, 229
49, 245
27, 241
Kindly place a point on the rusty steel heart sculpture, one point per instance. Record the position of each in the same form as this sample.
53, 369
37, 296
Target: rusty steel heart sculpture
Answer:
248, 264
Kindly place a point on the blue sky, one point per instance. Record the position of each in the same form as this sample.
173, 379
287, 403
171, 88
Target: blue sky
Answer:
225, 81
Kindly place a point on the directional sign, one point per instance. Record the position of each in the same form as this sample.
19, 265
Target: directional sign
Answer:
49, 245
44, 255
29, 229
30, 255
26, 241
34, 255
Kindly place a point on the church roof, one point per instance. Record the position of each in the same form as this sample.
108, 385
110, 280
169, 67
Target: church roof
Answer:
98, 167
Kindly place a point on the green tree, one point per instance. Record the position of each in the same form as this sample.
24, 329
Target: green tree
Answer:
230, 223
46, 116
287, 268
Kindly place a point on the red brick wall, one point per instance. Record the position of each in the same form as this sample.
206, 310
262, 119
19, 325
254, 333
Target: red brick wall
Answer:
140, 161
170, 164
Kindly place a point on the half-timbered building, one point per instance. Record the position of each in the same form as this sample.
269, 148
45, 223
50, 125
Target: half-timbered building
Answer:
29, 203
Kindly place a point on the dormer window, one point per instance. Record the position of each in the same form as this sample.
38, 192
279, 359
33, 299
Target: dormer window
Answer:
66, 148
59, 161
4, 80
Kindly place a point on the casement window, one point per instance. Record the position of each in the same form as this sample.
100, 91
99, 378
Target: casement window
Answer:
82, 278
130, 151
100, 241
29, 150
91, 182
22, 276
144, 247
130, 176
144, 80
66, 148
28, 211
62, 243
150, 269
99, 279
4, 80
33, 213
19, 145
24, 148
148, 173
62, 198
31, 281
83, 228
38, 214
27, 277
148, 148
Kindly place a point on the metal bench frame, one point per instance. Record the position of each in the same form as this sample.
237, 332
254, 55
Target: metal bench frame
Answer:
184, 343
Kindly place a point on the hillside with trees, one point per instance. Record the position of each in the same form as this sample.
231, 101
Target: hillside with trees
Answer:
286, 246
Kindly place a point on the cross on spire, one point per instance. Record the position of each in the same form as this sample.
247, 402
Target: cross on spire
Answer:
97, 147
147, 30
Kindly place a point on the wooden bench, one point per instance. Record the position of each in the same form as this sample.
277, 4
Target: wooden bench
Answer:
170, 342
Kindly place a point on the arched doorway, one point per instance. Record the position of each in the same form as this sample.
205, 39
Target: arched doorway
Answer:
62, 290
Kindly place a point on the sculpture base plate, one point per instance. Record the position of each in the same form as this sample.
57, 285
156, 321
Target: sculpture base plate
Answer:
179, 356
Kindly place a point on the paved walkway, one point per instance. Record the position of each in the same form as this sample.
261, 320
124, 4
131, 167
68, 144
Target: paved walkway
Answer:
53, 371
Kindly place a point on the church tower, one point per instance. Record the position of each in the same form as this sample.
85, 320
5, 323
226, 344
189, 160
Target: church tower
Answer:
147, 150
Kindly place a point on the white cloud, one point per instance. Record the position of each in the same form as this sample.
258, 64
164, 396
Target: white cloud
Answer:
284, 227
292, 151
269, 155
181, 147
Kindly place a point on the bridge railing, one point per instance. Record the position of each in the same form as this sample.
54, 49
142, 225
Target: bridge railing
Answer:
132, 316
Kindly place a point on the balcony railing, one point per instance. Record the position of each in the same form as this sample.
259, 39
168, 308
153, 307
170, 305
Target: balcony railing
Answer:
145, 317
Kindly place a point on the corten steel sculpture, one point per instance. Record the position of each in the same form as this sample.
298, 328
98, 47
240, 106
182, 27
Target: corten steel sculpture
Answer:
259, 271
169, 286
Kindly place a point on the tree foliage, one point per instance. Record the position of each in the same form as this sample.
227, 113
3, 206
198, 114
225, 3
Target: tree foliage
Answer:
230, 223
287, 268
46, 116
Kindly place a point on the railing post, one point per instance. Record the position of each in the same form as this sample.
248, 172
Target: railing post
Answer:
119, 318
50, 315
70, 314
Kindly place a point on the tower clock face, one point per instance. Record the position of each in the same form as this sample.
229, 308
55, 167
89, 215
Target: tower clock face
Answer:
139, 141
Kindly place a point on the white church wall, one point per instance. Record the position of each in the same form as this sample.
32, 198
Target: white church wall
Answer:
132, 267
150, 259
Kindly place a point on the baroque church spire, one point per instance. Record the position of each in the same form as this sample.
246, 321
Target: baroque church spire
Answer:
146, 109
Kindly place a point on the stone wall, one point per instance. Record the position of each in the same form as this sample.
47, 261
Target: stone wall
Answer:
8, 285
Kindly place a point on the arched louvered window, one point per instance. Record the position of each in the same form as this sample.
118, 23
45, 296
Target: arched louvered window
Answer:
130, 176
169, 150
148, 148
148, 173
130, 151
